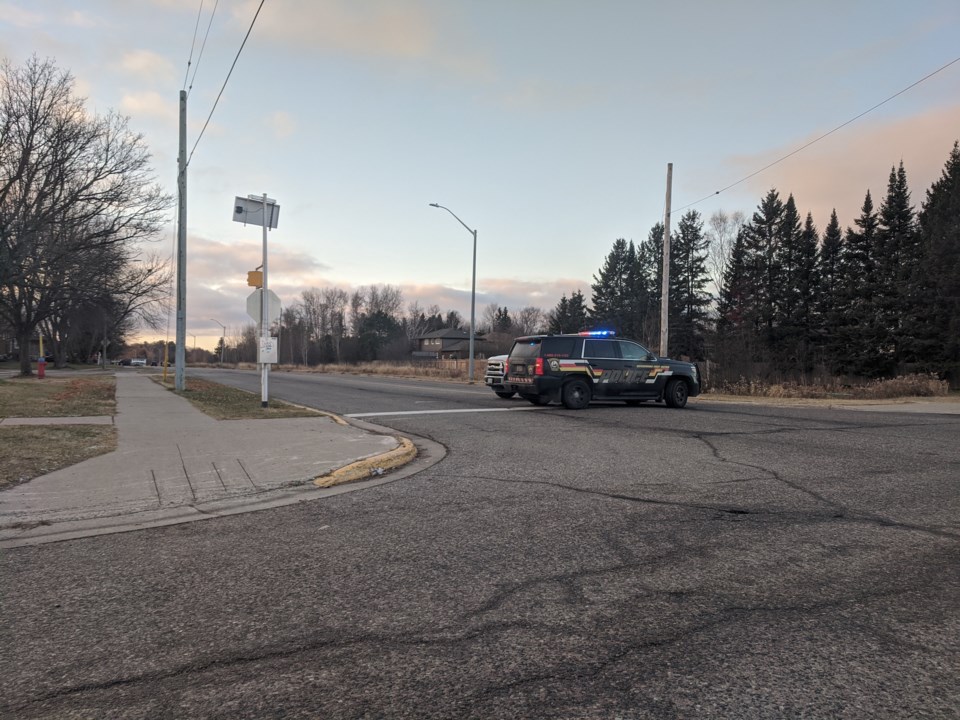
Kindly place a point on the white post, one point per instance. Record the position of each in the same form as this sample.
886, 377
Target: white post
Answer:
264, 315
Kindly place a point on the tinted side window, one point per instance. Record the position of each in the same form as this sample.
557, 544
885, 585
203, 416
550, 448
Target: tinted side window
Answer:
558, 347
632, 351
600, 349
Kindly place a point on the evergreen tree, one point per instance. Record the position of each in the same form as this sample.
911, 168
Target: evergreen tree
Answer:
569, 316
760, 284
651, 252
896, 267
939, 275
612, 290
501, 321
689, 276
828, 307
579, 312
558, 320
858, 330
793, 305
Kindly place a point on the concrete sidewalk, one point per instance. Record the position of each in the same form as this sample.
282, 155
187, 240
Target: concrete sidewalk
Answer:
174, 464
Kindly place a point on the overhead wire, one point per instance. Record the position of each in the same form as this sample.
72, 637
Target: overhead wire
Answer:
226, 80
193, 45
818, 139
203, 45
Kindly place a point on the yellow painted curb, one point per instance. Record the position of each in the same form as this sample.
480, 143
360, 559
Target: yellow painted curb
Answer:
363, 469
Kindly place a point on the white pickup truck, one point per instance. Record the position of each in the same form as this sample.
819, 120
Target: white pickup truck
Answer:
494, 376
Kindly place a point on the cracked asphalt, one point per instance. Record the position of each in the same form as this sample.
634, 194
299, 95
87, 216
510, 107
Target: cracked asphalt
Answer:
726, 561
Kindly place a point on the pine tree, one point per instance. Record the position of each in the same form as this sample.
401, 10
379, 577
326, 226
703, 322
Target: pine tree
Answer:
579, 312
688, 281
897, 263
828, 307
615, 291
569, 316
858, 330
800, 284
939, 275
761, 238
558, 320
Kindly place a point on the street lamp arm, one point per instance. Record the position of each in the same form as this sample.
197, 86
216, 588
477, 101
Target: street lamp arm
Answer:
455, 216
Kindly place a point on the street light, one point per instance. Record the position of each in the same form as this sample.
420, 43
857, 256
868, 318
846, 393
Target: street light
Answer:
223, 336
473, 287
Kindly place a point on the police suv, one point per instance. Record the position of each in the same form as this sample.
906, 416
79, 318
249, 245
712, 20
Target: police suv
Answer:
575, 369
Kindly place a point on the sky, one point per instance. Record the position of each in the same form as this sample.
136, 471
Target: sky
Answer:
545, 125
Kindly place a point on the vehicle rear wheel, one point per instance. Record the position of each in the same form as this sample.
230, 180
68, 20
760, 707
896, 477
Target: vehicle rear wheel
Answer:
676, 393
505, 395
576, 394
536, 399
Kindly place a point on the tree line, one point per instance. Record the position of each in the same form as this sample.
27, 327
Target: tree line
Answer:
773, 297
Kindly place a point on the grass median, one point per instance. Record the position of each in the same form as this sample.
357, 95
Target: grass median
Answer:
33, 450
222, 402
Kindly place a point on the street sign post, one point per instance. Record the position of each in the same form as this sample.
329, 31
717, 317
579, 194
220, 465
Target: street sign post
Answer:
262, 211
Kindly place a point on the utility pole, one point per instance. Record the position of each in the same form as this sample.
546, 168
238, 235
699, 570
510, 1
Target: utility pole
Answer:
665, 287
180, 357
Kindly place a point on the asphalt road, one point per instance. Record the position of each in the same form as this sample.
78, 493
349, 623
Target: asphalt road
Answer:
725, 561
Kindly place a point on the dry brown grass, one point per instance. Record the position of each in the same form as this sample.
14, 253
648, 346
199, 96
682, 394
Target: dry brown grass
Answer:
898, 387
226, 403
36, 450
405, 370
58, 397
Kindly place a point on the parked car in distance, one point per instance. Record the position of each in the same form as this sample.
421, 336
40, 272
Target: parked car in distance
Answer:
493, 378
138, 362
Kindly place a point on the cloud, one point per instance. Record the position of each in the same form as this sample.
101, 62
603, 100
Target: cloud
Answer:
79, 19
283, 124
838, 171
19, 17
381, 29
148, 67
150, 104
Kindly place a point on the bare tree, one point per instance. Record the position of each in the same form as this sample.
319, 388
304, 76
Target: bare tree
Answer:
73, 187
488, 318
528, 321
722, 230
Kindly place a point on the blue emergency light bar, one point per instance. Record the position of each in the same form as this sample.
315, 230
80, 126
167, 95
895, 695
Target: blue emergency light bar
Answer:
597, 333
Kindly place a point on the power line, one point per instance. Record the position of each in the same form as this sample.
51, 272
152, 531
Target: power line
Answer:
226, 80
193, 45
821, 137
203, 46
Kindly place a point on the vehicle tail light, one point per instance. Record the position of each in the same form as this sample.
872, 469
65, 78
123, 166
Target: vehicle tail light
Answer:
538, 368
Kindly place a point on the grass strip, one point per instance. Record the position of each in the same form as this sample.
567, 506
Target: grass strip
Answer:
34, 450
222, 402
58, 397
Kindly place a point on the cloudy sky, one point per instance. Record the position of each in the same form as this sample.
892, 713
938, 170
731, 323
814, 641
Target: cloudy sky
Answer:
545, 124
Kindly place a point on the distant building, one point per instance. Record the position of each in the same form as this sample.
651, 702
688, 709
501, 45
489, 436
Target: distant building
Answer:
449, 344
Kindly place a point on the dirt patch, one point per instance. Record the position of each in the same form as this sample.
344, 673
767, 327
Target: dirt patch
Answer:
35, 450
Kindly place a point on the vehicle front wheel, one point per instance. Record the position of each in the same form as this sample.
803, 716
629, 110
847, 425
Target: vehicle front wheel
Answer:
505, 395
576, 394
676, 394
